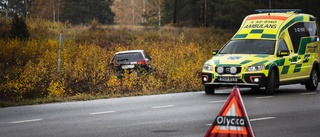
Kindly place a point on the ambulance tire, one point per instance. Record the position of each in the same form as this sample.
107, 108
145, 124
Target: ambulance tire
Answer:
272, 83
312, 84
209, 89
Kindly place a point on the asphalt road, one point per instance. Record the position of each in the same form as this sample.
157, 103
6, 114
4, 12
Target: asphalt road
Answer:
291, 112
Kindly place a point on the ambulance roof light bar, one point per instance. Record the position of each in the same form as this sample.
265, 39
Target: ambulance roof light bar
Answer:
277, 10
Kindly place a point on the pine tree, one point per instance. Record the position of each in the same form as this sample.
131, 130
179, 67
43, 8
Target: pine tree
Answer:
19, 28
84, 11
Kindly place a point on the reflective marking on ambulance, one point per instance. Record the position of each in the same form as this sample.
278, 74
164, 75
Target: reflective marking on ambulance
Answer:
256, 57
299, 65
263, 26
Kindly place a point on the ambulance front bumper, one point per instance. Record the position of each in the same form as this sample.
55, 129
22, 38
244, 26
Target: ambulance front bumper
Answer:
217, 84
247, 80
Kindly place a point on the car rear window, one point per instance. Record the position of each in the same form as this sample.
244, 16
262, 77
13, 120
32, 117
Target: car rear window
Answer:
129, 57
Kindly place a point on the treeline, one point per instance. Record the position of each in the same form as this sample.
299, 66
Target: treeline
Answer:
73, 11
226, 14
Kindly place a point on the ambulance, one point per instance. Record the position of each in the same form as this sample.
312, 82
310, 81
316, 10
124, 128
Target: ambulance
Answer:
273, 47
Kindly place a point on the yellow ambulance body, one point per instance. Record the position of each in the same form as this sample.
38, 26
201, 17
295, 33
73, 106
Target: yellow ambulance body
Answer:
271, 48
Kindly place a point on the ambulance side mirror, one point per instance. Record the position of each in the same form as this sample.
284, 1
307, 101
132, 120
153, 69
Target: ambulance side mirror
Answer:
283, 53
215, 51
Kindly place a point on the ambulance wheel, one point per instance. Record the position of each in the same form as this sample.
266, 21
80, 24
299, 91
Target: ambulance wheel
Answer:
312, 84
272, 83
209, 90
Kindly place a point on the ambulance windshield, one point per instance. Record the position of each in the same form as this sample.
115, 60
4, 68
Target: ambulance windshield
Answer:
249, 46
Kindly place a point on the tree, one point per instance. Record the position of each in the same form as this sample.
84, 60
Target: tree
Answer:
175, 12
306, 6
84, 11
11, 7
153, 12
19, 28
230, 13
167, 14
130, 12
46, 9
226, 14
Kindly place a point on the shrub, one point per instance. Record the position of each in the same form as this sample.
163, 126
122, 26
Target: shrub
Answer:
56, 89
19, 28
28, 69
4, 27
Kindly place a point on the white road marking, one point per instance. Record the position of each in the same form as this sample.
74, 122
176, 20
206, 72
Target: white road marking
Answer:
309, 93
24, 121
209, 124
105, 112
167, 106
264, 118
264, 97
219, 101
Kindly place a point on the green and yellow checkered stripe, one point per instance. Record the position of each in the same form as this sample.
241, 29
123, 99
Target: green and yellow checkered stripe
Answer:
256, 33
257, 57
285, 66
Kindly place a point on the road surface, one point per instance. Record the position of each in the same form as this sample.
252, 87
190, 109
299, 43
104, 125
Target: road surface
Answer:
291, 112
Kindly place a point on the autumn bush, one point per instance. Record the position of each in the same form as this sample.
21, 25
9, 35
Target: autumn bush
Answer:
5, 25
28, 69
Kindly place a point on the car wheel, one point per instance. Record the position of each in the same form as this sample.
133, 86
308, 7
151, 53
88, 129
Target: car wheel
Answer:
312, 84
272, 82
209, 90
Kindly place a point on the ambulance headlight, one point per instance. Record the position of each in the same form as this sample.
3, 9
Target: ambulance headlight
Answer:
219, 70
233, 70
207, 67
255, 68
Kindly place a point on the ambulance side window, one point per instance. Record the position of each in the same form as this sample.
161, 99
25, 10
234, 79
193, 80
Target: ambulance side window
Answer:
282, 46
300, 30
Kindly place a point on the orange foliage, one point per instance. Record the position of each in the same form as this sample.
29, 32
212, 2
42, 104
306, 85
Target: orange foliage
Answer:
28, 69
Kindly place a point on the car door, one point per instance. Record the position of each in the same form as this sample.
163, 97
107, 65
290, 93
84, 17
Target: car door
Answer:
287, 64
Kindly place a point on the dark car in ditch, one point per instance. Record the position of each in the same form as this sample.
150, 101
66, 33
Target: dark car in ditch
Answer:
133, 61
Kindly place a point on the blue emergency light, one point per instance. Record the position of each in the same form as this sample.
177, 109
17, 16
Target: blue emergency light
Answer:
277, 10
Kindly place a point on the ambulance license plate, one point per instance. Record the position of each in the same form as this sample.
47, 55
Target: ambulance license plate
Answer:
229, 79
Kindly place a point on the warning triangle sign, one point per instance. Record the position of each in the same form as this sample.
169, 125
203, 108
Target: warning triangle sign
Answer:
232, 120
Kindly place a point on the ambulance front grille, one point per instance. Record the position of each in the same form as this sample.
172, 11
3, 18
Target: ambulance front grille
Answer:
226, 70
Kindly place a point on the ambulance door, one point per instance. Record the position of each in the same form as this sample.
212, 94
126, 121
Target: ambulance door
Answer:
286, 63
303, 36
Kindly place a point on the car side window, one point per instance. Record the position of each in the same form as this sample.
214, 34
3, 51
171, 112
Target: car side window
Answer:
146, 55
282, 46
112, 60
